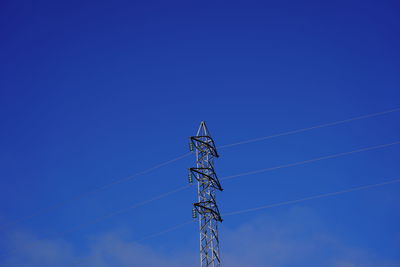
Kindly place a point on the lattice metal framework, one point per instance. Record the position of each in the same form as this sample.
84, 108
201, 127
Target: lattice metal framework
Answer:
206, 208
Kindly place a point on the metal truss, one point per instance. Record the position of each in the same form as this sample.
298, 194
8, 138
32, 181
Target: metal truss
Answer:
207, 184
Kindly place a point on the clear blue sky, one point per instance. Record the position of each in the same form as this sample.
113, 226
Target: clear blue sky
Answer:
93, 91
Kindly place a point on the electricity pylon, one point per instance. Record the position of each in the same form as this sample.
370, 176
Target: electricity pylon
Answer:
207, 184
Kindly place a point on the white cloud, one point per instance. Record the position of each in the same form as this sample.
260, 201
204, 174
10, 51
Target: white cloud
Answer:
294, 238
105, 250
112, 250
27, 250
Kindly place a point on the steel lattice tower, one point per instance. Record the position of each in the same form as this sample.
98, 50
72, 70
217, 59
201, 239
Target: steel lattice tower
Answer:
207, 184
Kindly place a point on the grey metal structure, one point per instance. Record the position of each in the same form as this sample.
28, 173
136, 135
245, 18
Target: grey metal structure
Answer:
207, 184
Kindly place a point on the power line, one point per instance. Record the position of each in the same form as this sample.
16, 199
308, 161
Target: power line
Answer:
310, 160
119, 181
134, 206
96, 190
283, 203
128, 178
257, 139
179, 189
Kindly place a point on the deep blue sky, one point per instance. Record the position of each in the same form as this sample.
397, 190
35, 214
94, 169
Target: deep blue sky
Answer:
92, 91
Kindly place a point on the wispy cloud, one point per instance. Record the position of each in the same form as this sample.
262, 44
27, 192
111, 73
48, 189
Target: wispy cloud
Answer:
297, 237
109, 249
27, 250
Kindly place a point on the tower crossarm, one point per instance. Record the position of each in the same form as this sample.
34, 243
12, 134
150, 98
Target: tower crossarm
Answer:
204, 143
204, 207
206, 175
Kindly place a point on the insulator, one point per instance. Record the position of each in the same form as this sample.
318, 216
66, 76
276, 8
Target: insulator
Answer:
190, 178
194, 213
191, 148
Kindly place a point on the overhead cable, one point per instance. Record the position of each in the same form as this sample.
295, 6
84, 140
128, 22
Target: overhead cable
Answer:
257, 139
179, 189
309, 161
289, 202
131, 177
